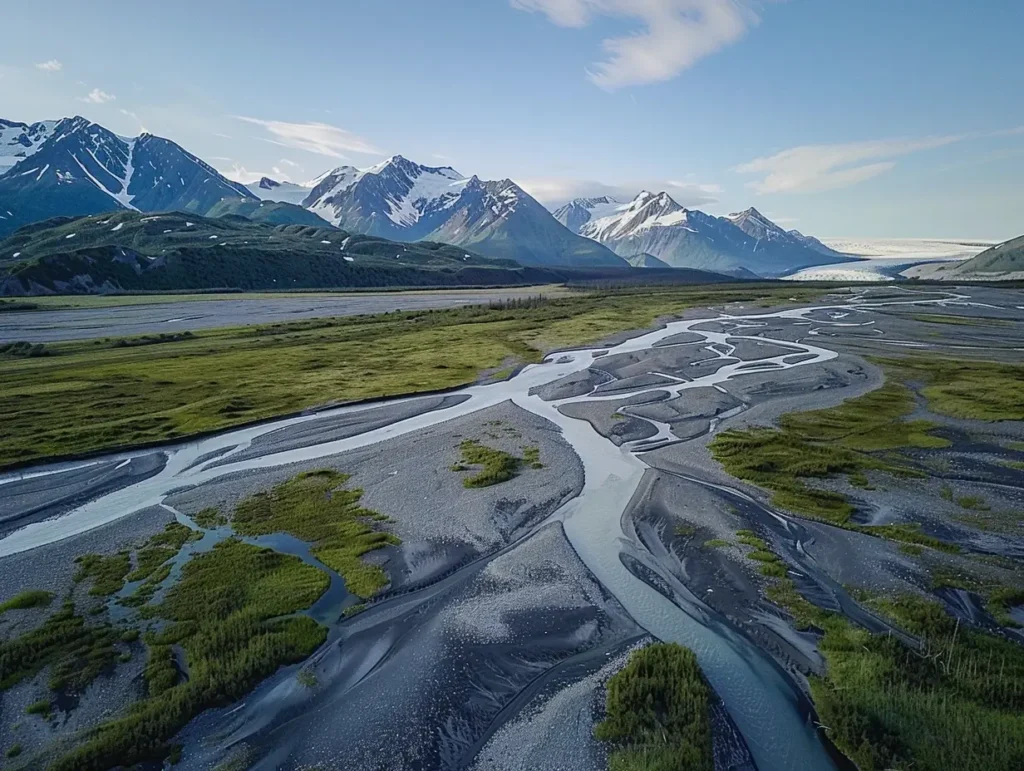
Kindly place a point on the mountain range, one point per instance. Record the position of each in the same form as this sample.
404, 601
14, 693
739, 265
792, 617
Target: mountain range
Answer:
653, 225
73, 167
404, 201
131, 251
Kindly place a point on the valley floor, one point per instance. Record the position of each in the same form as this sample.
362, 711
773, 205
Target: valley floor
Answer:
69, 317
449, 581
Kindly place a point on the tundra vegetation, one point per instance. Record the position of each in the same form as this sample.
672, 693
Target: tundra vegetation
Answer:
89, 396
874, 433
227, 633
657, 713
954, 698
492, 466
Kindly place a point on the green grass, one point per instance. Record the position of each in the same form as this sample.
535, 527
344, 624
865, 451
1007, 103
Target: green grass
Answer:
13, 751
316, 508
235, 614
75, 652
971, 321
31, 598
972, 503
717, 543
979, 390
107, 573
498, 466
957, 703
657, 713
234, 633
1009, 522
87, 396
210, 518
43, 708
531, 457
825, 443
999, 597
160, 548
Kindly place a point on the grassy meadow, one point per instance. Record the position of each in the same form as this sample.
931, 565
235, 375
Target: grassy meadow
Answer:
657, 713
232, 633
88, 396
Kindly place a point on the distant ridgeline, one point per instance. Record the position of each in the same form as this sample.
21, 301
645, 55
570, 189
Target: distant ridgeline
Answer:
74, 168
130, 251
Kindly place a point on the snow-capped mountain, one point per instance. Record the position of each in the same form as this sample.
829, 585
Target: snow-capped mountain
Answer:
268, 189
80, 167
394, 199
655, 224
499, 219
405, 201
813, 243
578, 212
19, 140
756, 225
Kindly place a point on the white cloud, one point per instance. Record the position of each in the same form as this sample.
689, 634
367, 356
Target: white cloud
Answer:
97, 96
675, 35
814, 168
319, 138
135, 117
555, 191
51, 66
240, 173
287, 162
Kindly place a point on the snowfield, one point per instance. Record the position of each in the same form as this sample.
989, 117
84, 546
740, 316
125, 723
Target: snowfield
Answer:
886, 258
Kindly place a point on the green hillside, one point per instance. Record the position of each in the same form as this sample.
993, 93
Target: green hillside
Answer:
272, 212
129, 251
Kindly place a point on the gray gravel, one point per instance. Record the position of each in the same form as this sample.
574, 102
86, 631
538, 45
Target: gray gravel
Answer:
409, 479
171, 317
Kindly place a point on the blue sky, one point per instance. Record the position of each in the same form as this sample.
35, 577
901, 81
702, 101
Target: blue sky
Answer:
871, 118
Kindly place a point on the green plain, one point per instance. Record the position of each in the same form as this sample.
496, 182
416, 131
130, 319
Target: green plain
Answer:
88, 396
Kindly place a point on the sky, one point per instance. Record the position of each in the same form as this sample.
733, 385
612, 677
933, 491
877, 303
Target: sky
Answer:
866, 118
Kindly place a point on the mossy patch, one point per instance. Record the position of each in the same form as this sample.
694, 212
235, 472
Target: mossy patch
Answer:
315, 507
497, 466
657, 713
31, 598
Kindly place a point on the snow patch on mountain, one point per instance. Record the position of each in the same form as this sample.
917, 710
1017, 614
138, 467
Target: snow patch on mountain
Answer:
647, 210
19, 141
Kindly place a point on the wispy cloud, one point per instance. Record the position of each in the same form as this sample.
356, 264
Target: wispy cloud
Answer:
675, 34
815, 168
135, 117
319, 138
98, 96
555, 191
240, 173
51, 66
